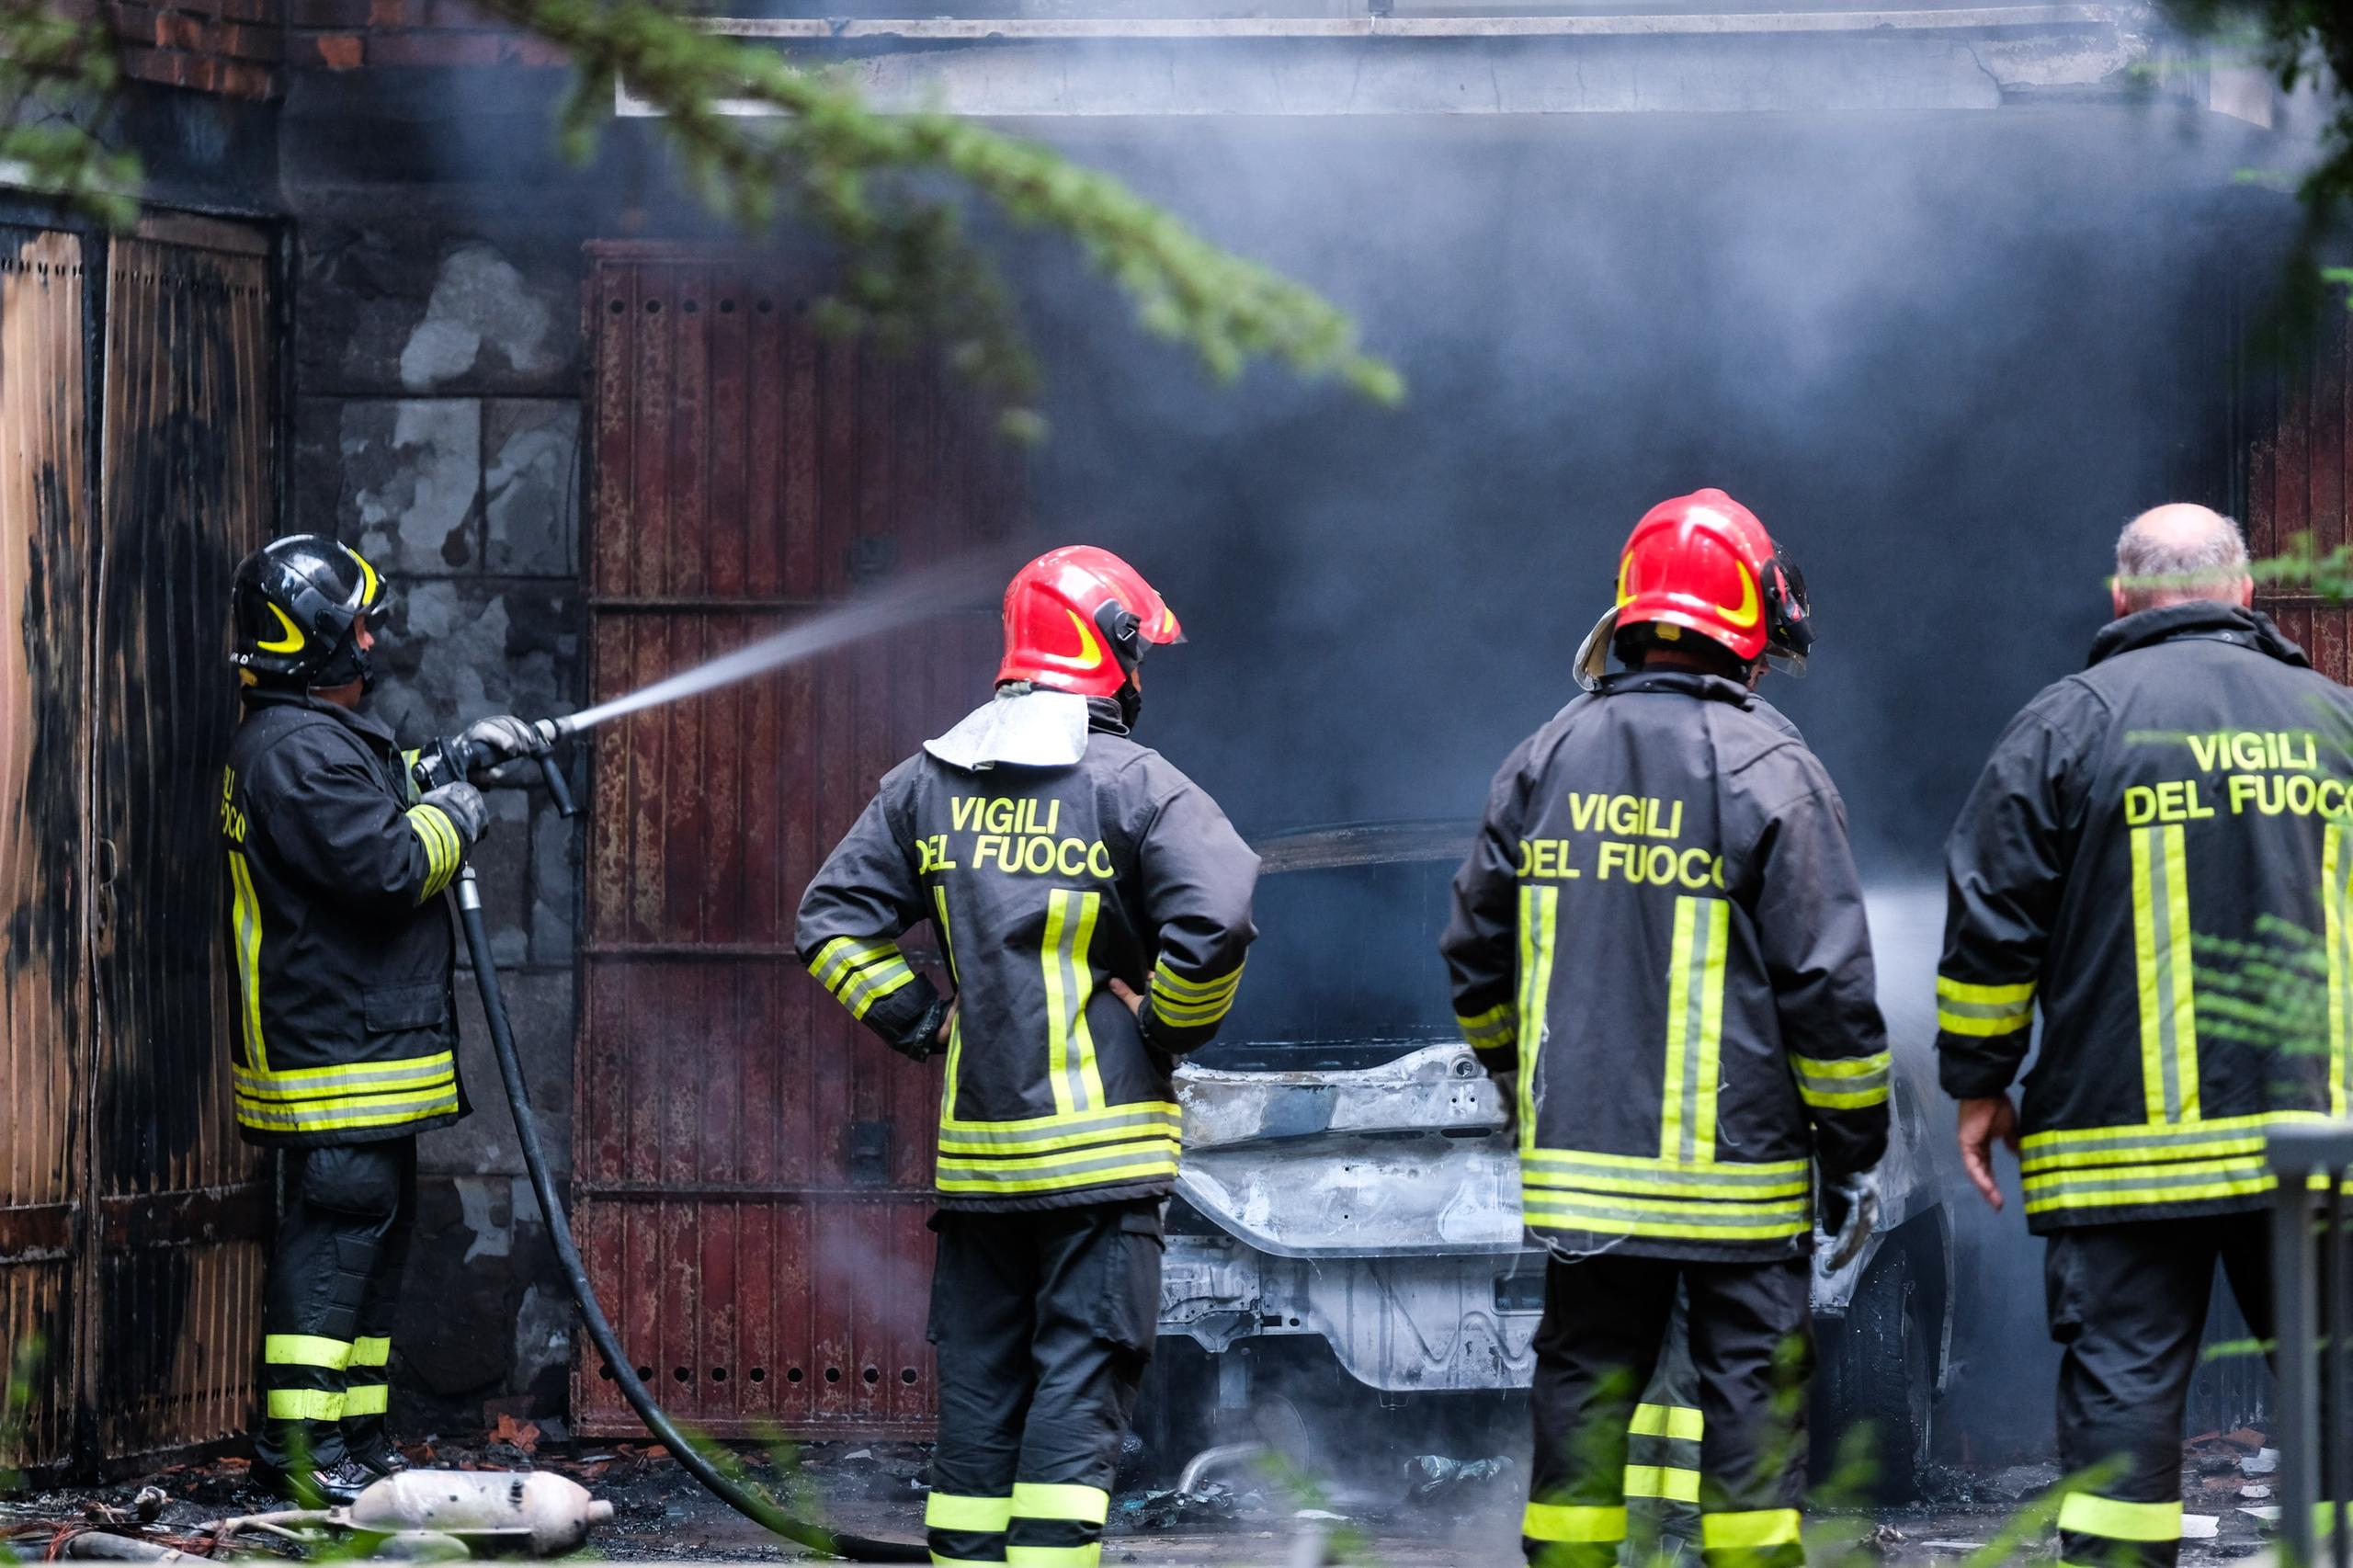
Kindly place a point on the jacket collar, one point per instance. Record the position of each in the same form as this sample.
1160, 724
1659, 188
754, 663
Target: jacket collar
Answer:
1104, 717
375, 731
1691, 683
2204, 619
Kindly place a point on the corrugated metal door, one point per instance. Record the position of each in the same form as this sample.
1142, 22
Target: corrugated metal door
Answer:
751, 1169
44, 750
187, 489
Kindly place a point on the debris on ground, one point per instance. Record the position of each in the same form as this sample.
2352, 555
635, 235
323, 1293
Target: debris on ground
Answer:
1435, 1477
2022, 1481
2263, 1461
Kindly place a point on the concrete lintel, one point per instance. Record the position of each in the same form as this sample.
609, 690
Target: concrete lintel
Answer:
1803, 62
1778, 24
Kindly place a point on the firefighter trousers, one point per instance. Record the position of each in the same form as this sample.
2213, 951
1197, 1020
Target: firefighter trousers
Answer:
1663, 1458
1043, 1323
2127, 1307
329, 1300
1598, 1346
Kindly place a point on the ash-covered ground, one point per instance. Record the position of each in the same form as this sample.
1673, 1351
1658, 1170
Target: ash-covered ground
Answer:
1439, 1511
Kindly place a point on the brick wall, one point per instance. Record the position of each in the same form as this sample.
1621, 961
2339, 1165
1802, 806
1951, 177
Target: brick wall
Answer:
234, 48
346, 35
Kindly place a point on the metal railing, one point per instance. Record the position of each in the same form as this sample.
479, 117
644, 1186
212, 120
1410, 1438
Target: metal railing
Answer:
2314, 1320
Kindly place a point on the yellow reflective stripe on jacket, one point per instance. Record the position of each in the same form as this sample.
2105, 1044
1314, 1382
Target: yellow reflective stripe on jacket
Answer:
2161, 948
318, 1083
1761, 1527
362, 1094
1664, 1178
2087, 1167
860, 973
1983, 1011
373, 1094
1045, 1132
1020, 1555
1572, 1524
979, 1516
305, 1350
366, 1399
2104, 1145
1039, 1500
371, 1351
1629, 1216
1671, 1482
1841, 1084
1104, 1164
1695, 1010
2336, 918
1677, 1421
1191, 1003
1497, 1029
306, 1404
248, 935
2085, 1513
2180, 1181
1070, 984
1540, 920
444, 851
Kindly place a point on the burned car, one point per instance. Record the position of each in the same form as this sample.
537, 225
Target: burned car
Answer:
1348, 1217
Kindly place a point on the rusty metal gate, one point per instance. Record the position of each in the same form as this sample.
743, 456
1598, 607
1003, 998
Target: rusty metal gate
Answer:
751, 1169
44, 772
137, 389
187, 489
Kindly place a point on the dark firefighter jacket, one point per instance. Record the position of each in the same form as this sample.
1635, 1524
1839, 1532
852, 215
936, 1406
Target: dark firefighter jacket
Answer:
2149, 837
1043, 885
344, 958
1660, 928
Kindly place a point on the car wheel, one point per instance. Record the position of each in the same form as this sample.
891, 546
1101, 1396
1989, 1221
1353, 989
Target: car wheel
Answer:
1877, 1385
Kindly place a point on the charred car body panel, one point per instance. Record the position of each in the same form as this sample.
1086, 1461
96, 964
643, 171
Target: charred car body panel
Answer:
1369, 1195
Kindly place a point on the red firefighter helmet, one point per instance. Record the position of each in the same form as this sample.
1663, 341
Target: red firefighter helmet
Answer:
1078, 618
1702, 562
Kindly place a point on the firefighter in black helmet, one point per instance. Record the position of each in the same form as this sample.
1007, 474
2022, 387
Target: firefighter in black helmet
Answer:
345, 1048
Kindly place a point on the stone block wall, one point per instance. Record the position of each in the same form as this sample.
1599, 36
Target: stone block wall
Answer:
437, 428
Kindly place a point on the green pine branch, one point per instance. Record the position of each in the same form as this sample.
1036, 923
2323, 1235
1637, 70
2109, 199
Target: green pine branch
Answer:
912, 271
868, 182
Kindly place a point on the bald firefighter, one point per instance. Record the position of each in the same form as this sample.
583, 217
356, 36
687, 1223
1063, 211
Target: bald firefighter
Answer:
2143, 828
1658, 936
1093, 906
346, 1044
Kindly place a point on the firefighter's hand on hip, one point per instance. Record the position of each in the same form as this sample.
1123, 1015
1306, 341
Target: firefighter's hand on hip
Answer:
1983, 1122
1128, 996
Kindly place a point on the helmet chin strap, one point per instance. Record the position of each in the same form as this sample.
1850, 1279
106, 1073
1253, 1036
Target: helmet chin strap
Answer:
348, 662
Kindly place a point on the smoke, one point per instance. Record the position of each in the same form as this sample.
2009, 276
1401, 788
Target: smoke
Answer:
971, 578
1944, 356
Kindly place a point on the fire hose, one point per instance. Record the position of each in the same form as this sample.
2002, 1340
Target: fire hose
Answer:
761, 1510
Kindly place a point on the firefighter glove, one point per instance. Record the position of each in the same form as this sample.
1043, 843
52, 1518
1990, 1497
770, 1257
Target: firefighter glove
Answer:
488, 741
1850, 1207
462, 805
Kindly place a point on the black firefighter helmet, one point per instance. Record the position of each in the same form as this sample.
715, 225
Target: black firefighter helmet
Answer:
296, 607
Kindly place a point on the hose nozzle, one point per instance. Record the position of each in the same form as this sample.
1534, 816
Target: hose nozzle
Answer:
559, 790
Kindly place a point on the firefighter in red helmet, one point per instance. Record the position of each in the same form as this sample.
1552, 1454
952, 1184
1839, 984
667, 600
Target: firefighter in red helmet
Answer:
1659, 935
1092, 907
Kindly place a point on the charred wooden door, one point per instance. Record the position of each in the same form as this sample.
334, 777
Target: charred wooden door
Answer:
751, 1169
44, 774
187, 489
2298, 479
